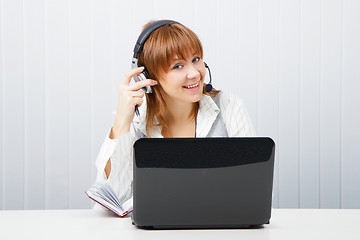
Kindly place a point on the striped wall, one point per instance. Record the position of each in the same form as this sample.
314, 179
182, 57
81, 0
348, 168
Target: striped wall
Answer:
295, 63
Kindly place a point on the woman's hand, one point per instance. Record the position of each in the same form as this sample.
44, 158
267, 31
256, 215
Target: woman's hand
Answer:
129, 97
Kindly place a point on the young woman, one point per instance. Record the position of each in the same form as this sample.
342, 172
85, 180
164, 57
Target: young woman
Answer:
179, 106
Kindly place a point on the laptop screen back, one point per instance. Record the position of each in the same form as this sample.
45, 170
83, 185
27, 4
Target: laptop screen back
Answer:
202, 182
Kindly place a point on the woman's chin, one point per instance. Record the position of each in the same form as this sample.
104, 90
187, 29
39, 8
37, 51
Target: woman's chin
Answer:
197, 97
194, 96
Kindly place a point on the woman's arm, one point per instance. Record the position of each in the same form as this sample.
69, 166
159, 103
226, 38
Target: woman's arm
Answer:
114, 163
108, 168
115, 132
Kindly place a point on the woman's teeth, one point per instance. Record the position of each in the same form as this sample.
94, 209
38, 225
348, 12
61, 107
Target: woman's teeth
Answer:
192, 86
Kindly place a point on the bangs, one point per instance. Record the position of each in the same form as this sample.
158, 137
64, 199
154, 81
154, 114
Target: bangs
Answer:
167, 43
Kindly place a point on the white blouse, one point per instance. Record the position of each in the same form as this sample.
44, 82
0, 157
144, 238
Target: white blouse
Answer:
119, 151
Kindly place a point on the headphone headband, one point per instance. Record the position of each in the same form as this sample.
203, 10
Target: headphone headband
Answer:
147, 32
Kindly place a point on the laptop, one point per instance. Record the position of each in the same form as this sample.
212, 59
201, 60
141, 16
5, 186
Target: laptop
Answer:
202, 182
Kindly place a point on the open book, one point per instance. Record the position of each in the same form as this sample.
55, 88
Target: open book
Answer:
103, 194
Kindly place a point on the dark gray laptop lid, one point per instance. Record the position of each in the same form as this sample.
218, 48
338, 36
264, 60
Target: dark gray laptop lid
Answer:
202, 182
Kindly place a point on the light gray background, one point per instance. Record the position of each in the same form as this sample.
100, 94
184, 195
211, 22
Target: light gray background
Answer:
296, 63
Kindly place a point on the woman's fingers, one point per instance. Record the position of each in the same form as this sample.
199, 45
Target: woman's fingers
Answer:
138, 94
147, 82
130, 96
128, 76
137, 101
136, 86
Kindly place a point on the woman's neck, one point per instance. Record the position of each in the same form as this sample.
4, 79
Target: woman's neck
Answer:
180, 112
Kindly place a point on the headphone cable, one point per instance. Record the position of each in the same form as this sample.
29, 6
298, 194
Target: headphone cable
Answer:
195, 117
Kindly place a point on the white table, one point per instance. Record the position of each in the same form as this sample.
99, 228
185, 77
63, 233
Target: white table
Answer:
286, 224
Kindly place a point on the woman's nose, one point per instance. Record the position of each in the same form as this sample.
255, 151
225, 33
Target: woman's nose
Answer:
193, 73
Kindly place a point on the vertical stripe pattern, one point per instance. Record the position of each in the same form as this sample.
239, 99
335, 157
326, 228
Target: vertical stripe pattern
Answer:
294, 63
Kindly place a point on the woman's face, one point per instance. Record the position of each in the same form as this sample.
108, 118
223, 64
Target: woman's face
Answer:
185, 79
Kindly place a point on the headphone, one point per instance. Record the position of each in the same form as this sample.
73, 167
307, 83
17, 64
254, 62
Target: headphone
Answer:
139, 46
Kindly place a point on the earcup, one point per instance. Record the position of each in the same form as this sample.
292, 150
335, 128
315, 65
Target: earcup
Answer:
145, 72
142, 76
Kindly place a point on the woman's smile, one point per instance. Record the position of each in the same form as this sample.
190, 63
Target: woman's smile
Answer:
193, 87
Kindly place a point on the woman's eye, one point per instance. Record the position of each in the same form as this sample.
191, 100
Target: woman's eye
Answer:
196, 59
178, 66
